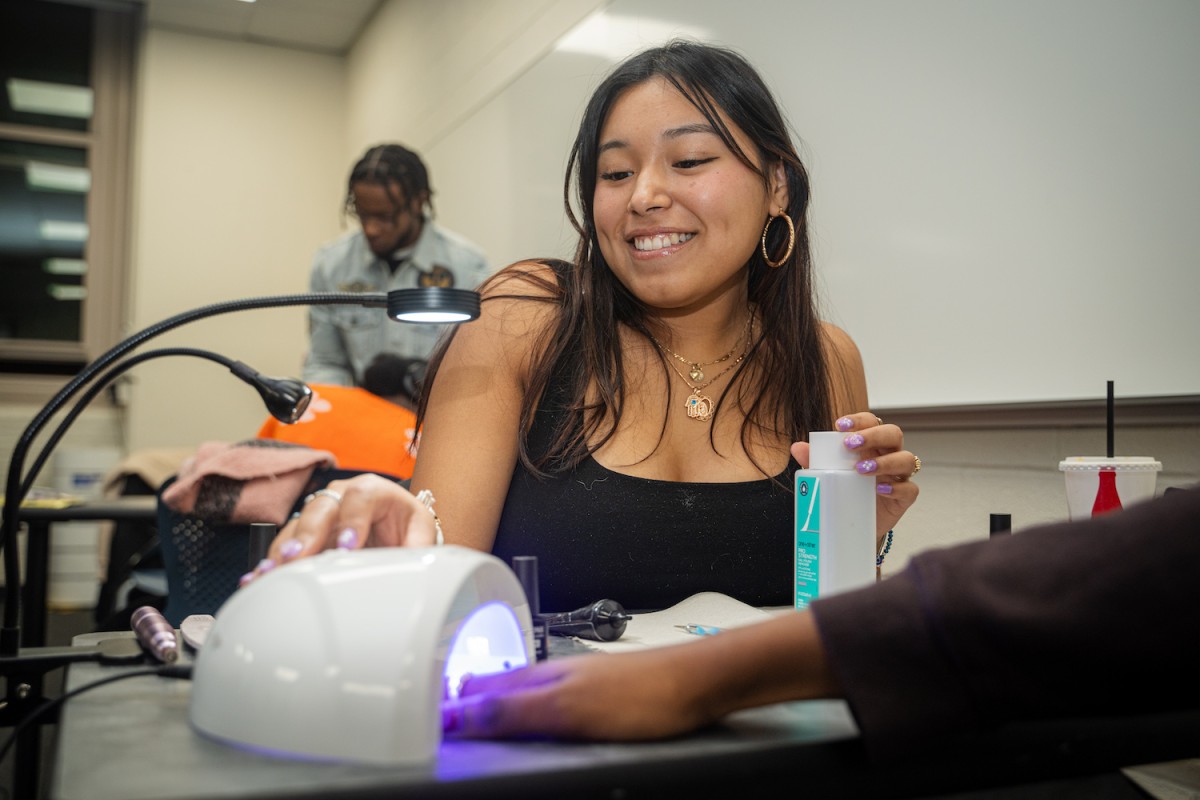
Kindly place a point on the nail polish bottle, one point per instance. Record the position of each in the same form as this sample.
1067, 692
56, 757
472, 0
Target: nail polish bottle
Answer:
526, 570
1107, 498
835, 521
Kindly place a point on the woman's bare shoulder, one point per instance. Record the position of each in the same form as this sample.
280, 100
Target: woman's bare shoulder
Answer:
844, 365
520, 305
839, 345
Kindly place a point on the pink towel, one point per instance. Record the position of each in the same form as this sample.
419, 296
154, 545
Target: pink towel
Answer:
253, 481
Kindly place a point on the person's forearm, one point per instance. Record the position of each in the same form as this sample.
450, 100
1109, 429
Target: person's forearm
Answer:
778, 660
972, 636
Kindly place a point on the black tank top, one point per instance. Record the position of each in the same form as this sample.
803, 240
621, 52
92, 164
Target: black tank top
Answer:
647, 544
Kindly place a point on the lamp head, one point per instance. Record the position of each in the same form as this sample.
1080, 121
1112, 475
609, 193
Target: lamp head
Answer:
433, 304
286, 398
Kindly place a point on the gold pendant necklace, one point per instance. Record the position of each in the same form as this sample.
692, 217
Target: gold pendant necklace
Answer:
698, 405
696, 370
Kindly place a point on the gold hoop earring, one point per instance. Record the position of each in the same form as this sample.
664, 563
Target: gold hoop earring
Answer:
791, 241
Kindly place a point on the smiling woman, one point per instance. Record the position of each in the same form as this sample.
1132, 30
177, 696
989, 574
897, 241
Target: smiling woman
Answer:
634, 418
670, 190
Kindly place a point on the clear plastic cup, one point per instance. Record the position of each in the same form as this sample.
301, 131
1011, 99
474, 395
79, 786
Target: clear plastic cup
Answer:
1096, 484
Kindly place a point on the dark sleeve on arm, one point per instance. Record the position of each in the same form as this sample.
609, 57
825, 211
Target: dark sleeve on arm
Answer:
1097, 617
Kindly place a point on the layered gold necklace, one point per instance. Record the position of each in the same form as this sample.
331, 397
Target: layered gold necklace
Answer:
700, 406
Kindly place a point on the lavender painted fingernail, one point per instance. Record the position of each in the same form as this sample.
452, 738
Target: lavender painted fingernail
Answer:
347, 539
854, 441
290, 549
867, 466
883, 488
264, 566
844, 424
249, 576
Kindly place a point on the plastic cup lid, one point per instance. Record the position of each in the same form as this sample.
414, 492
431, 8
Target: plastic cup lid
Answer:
1117, 463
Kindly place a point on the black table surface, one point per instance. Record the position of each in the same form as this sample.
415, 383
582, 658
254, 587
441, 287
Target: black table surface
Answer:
131, 740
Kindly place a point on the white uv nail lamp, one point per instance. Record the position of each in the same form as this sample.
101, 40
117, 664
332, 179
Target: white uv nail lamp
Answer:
345, 656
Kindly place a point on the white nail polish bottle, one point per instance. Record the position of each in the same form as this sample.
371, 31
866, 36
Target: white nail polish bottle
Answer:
835, 521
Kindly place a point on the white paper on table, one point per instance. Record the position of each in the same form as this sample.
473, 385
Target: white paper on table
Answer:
657, 628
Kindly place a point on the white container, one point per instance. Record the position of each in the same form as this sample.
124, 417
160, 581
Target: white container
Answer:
835, 522
80, 470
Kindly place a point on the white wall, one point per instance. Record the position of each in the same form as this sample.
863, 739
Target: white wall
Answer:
422, 68
238, 179
241, 154
1003, 192
431, 74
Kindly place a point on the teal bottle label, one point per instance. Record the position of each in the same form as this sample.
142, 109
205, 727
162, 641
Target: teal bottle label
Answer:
808, 539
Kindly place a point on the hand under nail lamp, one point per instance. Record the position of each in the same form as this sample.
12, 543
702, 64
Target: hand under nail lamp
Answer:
346, 655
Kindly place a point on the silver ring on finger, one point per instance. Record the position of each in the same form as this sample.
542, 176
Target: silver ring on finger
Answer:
330, 493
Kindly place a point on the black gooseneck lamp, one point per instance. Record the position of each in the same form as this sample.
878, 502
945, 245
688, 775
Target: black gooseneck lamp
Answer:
433, 304
428, 304
286, 399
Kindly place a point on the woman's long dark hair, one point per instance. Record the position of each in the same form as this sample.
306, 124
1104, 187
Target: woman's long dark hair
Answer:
584, 347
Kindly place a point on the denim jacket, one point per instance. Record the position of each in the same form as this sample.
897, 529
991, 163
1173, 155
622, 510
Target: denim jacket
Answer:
344, 339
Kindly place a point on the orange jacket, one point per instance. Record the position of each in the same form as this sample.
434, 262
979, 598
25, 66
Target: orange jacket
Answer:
364, 431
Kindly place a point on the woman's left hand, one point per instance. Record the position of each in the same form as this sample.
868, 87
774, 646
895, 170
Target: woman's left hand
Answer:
880, 451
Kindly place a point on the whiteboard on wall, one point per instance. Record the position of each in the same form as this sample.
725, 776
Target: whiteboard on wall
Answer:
1006, 195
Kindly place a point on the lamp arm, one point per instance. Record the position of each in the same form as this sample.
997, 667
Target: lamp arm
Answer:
10, 635
96, 388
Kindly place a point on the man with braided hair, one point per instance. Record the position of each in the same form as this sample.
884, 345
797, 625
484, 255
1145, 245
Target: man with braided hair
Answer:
397, 246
